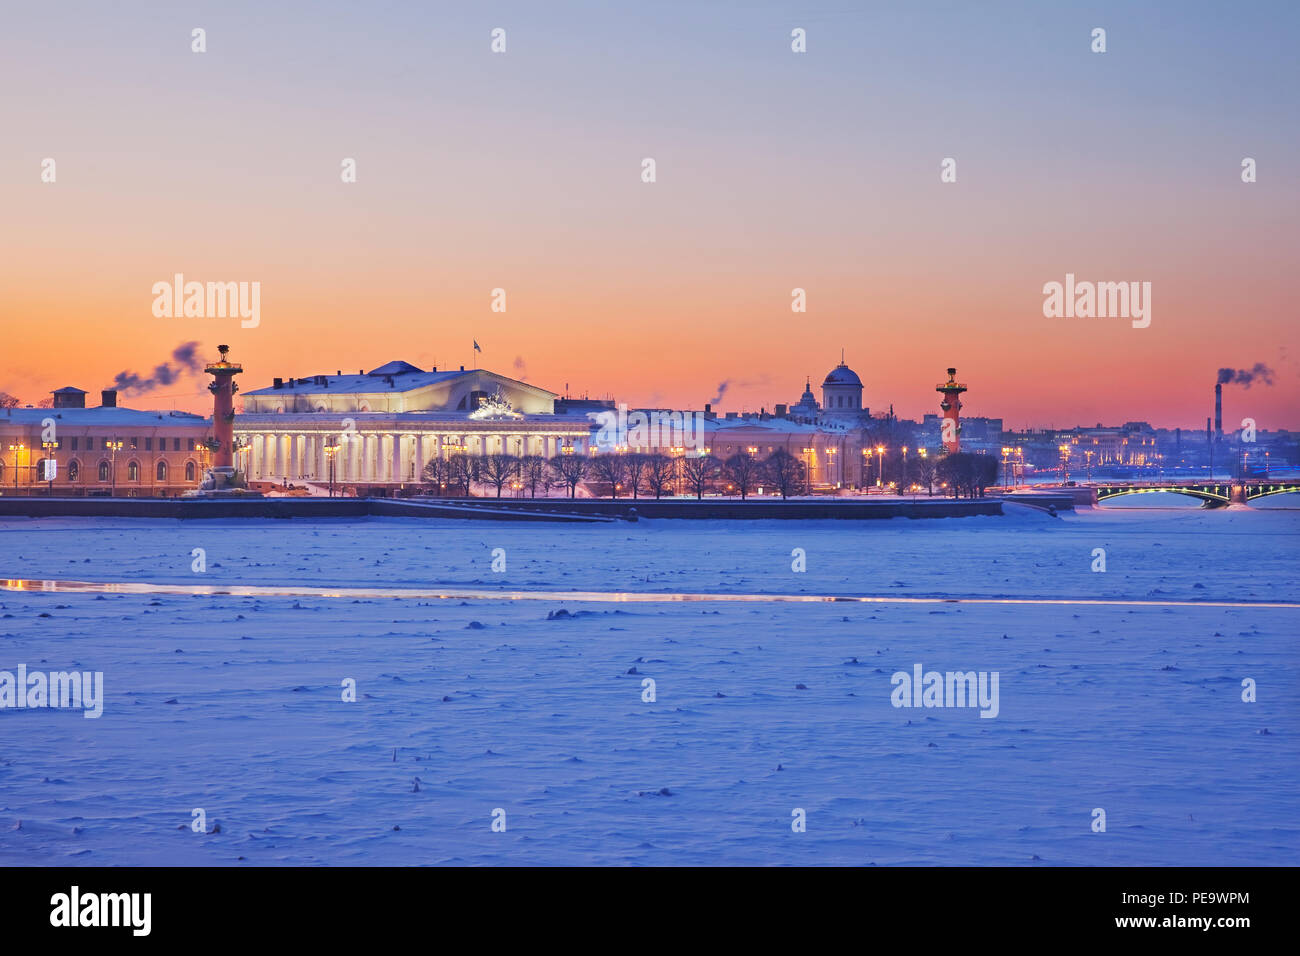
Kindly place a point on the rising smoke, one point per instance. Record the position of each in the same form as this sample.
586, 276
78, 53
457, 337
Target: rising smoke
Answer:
1261, 374
184, 361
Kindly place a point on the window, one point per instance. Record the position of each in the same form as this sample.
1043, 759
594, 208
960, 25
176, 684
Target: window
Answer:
74, 469
135, 441
103, 471
90, 443
189, 470
148, 444
176, 444
133, 471
162, 471
74, 444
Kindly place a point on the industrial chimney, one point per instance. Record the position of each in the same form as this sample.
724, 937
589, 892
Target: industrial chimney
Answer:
108, 398
1218, 412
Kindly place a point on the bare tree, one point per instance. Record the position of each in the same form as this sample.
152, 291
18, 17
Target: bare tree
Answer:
463, 469
659, 473
784, 471
8, 401
925, 473
700, 471
742, 470
496, 469
534, 472
637, 463
569, 471
437, 472
611, 468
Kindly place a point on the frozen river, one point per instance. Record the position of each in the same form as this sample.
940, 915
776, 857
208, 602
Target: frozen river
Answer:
479, 701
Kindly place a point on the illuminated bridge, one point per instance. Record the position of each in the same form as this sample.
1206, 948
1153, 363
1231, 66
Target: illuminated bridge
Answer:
1214, 494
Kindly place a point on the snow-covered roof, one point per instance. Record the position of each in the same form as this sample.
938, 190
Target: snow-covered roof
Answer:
842, 375
396, 376
374, 381
784, 425
101, 415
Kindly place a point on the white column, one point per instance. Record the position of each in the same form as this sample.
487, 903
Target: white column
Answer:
399, 474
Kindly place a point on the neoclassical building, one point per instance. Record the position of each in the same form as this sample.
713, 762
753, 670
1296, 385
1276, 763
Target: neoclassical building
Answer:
388, 422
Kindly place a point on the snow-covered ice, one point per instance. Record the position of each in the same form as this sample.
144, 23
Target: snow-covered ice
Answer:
233, 704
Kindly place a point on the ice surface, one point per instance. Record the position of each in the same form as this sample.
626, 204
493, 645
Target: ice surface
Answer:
233, 704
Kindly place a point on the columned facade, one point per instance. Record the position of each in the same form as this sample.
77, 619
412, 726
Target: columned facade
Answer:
392, 450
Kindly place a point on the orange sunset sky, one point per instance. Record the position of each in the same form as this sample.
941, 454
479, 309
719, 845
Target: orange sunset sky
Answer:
775, 170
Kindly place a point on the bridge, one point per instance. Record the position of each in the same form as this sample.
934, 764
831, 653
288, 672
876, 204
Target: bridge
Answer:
1214, 494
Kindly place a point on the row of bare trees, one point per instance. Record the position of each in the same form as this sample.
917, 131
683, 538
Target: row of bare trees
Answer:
636, 473
628, 473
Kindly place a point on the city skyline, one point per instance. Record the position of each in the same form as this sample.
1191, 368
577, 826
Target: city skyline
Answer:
184, 388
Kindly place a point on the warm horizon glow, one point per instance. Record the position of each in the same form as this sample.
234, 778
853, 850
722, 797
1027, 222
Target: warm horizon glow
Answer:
775, 171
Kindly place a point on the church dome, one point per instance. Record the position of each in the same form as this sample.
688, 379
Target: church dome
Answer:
842, 375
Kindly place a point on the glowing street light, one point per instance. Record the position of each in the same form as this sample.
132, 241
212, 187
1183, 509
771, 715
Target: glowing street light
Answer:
49, 447
19, 447
114, 447
331, 450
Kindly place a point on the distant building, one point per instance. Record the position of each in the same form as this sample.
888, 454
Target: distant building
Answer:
160, 453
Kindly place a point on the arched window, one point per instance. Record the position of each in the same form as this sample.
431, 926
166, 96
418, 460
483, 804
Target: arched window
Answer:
162, 471
103, 471
74, 470
2, 472
133, 471
189, 471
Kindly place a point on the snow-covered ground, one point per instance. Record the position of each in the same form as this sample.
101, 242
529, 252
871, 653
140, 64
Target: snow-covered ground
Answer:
233, 704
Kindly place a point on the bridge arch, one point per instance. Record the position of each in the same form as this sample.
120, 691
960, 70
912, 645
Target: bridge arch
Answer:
1214, 495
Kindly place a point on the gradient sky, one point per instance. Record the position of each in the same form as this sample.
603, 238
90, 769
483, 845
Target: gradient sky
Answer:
775, 170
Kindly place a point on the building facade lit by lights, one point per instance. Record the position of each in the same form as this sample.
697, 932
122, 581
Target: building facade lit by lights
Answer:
390, 421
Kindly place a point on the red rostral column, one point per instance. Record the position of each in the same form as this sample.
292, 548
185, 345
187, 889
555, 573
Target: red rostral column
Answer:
223, 390
951, 406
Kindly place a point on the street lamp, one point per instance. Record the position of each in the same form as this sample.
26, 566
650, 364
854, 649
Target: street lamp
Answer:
1006, 453
331, 450
49, 447
16, 449
1065, 462
113, 446
880, 465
